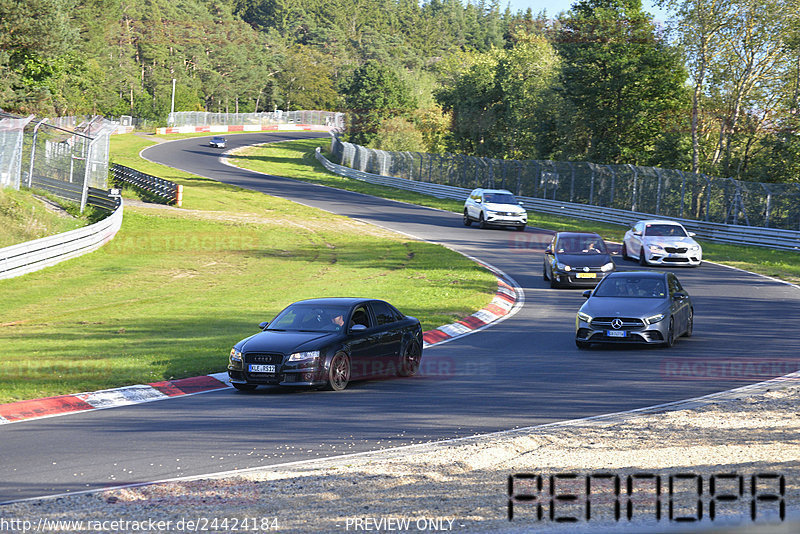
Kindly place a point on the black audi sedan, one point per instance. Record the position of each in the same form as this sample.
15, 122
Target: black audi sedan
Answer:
327, 343
579, 259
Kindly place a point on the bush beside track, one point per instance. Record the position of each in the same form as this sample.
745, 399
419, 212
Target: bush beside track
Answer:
176, 288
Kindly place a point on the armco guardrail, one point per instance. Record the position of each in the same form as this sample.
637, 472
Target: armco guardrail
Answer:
723, 233
98, 198
31, 256
163, 190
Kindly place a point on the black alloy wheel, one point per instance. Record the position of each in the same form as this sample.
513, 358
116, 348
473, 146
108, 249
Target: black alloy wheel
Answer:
670, 341
409, 363
553, 283
689, 324
339, 372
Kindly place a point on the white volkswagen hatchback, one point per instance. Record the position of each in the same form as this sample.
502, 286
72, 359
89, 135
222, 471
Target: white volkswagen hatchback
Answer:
494, 207
657, 242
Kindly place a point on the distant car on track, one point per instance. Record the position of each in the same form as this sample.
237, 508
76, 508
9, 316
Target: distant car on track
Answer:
327, 343
635, 307
657, 242
218, 142
494, 207
576, 259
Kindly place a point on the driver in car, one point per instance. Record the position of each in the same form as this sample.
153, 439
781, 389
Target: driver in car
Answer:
338, 322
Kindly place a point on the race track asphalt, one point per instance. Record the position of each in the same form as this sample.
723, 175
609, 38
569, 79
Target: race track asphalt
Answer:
522, 372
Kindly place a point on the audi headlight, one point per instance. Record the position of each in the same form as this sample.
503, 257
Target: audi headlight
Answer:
585, 317
563, 267
300, 356
655, 248
654, 318
236, 356
607, 267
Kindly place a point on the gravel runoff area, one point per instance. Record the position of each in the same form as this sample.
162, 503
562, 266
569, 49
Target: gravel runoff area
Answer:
740, 437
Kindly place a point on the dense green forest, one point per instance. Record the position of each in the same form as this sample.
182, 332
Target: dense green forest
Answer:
715, 90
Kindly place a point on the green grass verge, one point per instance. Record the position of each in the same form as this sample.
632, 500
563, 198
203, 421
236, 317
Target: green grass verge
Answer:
24, 217
295, 159
173, 291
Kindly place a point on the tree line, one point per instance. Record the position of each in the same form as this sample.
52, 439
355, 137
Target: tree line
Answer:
714, 91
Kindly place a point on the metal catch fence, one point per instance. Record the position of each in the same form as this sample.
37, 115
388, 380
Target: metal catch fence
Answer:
662, 192
201, 118
67, 156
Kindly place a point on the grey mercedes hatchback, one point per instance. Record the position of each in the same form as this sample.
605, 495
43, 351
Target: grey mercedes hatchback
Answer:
635, 307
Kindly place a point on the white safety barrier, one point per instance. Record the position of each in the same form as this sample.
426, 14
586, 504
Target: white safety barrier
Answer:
31, 256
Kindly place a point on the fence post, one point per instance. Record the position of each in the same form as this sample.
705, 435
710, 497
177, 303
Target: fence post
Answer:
658, 193
86, 170
708, 197
33, 151
571, 181
613, 179
768, 206
683, 189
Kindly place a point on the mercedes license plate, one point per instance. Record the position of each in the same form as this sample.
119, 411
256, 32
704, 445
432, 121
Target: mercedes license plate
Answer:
616, 333
254, 368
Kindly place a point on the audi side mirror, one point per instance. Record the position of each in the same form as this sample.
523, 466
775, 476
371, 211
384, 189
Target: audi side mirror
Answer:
358, 328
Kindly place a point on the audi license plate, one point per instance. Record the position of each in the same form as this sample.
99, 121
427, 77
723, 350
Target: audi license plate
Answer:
616, 333
254, 368
586, 275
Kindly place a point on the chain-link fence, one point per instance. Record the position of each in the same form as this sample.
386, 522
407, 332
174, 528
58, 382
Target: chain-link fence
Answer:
663, 192
201, 118
66, 156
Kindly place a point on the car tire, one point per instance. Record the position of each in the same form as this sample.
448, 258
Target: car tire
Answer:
244, 387
481, 222
521, 228
582, 345
642, 260
338, 372
467, 220
544, 273
670, 341
625, 252
409, 362
689, 324
553, 283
